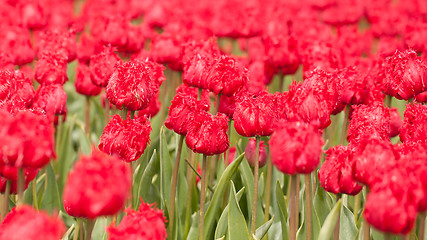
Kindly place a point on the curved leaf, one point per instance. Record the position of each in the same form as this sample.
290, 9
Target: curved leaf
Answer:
215, 204
330, 222
237, 228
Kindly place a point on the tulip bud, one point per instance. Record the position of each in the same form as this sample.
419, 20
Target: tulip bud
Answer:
83, 82
250, 152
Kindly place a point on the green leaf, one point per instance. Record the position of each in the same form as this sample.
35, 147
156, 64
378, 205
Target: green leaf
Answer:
99, 230
261, 231
330, 222
165, 169
281, 202
51, 198
64, 151
221, 227
215, 205
321, 209
237, 228
248, 181
146, 185
348, 229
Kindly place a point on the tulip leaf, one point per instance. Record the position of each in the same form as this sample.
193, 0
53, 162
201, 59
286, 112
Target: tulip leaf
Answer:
221, 228
165, 169
321, 203
328, 227
64, 151
237, 228
281, 202
248, 181
348, 229
51, 198
213, 209
261, 231
145, 182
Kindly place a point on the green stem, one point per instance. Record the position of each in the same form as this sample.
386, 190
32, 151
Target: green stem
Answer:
35, 200
366, 230
344, 125
357, 201
309, 223
124, 113
5, 206
422, 226
173, 190
106, 112
255, 196
292, 208
132, 114
268, 189
77, 231
388, 99
218, 99
20, 186
89, 228
202, 198
87, 116
191, 183
281, 81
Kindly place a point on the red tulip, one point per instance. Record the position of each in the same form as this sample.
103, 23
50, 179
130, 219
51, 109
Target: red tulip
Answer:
207, 133
24, 222
134, 225
101, 66
52, 99
391, 205
61, 42
405, 75
227, 76
295, 148
152, 109
227, 105
9, 173
16, 43
414, 126
335, 174
132, 85
16, 89
250, 152
83, 82
371, 159
97, 186
34, 16
395, 122
126, 138
27, 140
184, 107
369, 122
51, 68
255, 114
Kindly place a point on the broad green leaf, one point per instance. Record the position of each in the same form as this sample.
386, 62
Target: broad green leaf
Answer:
194, 230
331, 220
144, 184
165, 169
261, 231
64, 151
51, 198
98, 231
348, 229
221, 227
321, 209
215, 205
237, 228
281, 202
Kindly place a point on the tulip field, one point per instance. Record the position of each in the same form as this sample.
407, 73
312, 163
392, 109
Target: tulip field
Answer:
213, 120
